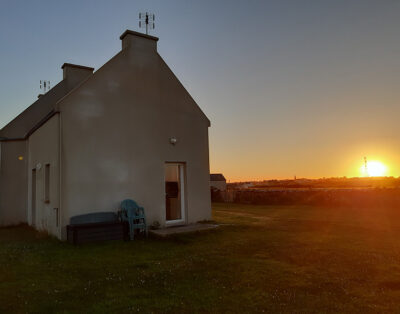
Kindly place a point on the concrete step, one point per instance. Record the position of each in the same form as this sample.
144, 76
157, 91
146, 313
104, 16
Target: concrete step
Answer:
182, 229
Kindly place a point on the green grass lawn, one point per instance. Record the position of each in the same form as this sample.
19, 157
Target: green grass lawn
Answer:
262, 258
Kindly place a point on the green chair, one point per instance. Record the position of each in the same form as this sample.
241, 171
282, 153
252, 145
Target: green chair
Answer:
135, 216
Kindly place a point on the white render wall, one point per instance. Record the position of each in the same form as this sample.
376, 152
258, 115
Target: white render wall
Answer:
43, 148
13, 184
110, 141
116, 130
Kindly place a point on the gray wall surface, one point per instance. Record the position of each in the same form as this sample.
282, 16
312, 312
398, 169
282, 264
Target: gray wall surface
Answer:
34, 114
13, 183
14, 172
43, 148
108, 140
116, 130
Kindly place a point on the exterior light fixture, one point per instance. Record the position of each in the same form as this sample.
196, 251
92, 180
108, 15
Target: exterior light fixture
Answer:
20, 157
173, 140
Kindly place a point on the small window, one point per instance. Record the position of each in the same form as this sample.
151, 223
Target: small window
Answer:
47, 183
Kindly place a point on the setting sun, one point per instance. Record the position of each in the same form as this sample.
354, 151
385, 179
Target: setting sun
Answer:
373, 169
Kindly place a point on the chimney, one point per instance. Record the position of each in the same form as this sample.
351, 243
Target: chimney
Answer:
138, 40
76, 73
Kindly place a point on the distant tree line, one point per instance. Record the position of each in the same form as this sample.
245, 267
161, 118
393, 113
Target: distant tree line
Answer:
341, 182
325, 197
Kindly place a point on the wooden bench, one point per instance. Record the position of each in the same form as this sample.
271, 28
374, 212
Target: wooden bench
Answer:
96, 227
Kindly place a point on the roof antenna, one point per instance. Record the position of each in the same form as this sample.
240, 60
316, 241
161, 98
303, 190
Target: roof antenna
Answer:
44, 86
146, 20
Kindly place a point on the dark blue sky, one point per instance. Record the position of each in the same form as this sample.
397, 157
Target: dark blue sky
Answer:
304, 88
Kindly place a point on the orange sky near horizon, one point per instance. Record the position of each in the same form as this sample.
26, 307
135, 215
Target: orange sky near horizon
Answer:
329, 163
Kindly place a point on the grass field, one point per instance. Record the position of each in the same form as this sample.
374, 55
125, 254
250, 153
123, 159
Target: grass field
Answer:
263, 258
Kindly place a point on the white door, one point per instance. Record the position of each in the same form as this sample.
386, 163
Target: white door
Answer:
175, 193
45, 199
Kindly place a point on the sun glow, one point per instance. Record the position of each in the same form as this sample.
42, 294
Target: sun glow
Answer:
373, 169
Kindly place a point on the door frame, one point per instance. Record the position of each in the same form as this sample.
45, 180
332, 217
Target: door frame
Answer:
182, 191
33, 196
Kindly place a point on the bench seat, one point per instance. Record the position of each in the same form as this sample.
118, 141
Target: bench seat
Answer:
96, 227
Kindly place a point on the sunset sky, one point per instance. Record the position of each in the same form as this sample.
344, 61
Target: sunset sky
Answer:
305, 88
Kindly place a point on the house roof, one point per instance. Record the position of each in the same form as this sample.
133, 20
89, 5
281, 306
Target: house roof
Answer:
217, 177
46, 105
40, 111
20, 126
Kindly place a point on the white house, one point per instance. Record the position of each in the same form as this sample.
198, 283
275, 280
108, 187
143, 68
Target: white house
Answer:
128, 130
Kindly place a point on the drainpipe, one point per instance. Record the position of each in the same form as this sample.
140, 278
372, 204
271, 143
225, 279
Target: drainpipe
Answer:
60, 211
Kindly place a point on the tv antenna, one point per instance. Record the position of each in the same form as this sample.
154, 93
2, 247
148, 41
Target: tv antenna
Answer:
44, 86
146, 20
366, 166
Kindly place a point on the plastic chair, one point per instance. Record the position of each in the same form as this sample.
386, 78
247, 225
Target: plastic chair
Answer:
135, 216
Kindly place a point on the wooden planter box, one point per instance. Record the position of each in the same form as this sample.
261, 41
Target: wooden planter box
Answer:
97, 232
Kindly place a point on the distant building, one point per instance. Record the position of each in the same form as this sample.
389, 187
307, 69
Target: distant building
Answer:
218, 181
